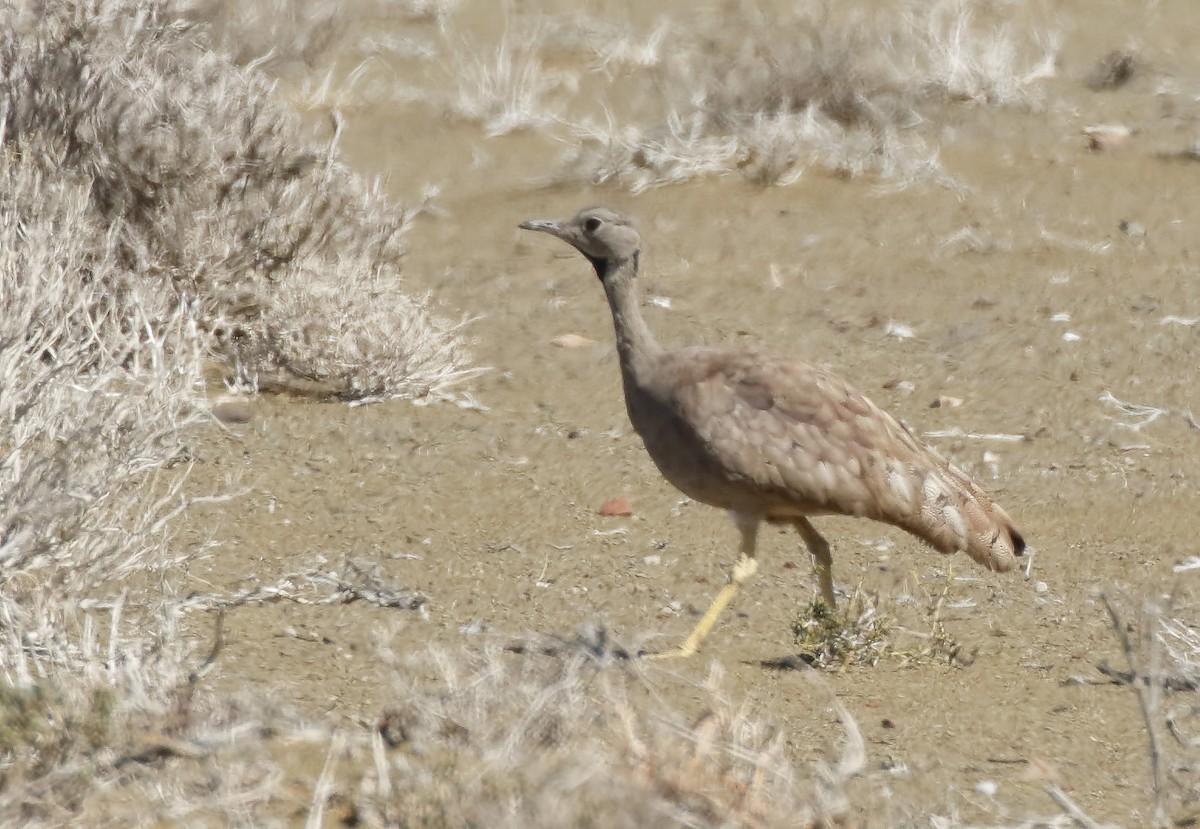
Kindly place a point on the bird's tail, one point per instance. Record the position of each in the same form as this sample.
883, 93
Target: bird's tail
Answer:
952, 514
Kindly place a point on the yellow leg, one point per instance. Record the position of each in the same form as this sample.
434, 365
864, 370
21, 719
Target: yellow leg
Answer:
822, 559
742, 571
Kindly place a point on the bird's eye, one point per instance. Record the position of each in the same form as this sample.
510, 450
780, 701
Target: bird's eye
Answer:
592, 225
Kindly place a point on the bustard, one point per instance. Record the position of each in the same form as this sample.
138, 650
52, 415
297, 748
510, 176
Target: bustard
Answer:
776, 440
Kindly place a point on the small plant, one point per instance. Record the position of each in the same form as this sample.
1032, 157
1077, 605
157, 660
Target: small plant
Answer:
864, 633
859, 636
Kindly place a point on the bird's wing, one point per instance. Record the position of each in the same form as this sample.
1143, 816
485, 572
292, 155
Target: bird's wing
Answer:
788, 427
801, 435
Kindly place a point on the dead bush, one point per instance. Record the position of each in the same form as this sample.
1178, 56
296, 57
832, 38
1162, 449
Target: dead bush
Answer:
291, 263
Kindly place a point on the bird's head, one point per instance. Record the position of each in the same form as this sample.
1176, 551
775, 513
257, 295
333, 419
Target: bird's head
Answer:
604, 236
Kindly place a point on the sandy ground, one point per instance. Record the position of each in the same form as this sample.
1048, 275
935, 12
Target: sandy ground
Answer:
493, 513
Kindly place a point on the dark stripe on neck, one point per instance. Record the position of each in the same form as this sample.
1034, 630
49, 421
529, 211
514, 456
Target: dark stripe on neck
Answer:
601, 266
604, 266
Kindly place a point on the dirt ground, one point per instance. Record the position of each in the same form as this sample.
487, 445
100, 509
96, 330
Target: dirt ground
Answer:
1044, 285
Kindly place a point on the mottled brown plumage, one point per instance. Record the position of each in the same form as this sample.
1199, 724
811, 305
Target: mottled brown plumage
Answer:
776, 440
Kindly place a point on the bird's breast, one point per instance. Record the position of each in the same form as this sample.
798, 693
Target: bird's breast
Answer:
685, 459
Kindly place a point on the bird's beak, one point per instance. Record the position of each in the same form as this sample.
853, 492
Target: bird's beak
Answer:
545, 225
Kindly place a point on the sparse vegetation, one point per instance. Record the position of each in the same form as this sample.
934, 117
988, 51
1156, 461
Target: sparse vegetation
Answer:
559, 741
852, 90
847, 89
163, 210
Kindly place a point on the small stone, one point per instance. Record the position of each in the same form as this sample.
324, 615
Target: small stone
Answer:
1134, 230
902, 386
616, 506
945, 401
1107, 137
233, 410
652, 561
1040, 587
572, 341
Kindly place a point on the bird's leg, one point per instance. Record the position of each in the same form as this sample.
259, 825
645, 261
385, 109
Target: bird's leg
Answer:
819, 547
742, 571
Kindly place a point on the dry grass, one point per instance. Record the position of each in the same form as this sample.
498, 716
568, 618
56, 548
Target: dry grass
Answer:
494, 740
564, 741
99, 385
159, 209
291, 263
849, 89
1160, 647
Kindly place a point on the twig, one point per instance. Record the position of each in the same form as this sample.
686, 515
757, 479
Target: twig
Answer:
956, 432
324, 787
367, 587
217, 645
1071, 807
1170, 683
1147, 696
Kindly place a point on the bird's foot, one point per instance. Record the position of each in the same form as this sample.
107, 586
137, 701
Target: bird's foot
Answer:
682, 652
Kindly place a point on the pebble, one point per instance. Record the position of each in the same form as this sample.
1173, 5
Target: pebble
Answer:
1134, 230
1107, 137
616, 506
233, 410
572, 341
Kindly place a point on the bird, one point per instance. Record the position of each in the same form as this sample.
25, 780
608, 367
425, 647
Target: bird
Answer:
775, 440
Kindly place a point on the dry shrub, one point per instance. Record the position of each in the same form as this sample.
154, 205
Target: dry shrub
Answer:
844, 87
483, 739
291, 262
99, 378
330, 54
158, 207
851, 88
1161, 664
562, 741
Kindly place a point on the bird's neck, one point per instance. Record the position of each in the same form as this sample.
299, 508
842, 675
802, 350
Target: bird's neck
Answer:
636, 345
